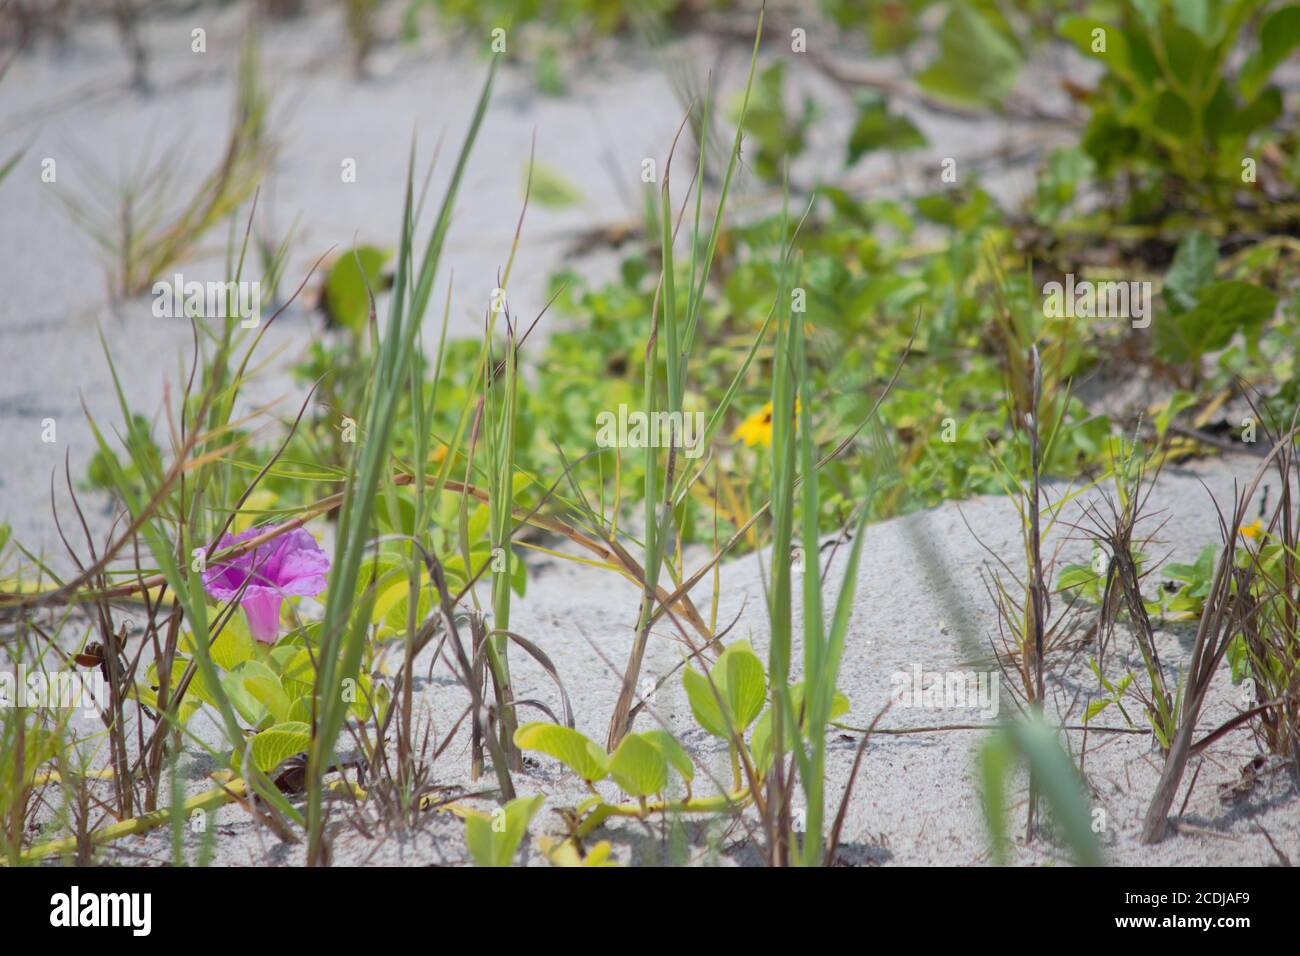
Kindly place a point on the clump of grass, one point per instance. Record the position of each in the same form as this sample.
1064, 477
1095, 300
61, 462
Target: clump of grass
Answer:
147, 229
1269, 642
170, 502
1114, 536
1253, 596
1030, 633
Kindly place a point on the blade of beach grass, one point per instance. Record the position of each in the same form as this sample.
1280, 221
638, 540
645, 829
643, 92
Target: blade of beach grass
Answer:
341, 645
780, 611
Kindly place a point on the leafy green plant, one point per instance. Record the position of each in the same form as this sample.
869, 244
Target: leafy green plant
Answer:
1170, 107
271, 689
1114, 694
979, 58
728, 702
1243, 595
1188, 600
641, 766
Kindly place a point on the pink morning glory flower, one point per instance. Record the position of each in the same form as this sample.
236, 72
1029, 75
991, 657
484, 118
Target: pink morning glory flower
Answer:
289, 564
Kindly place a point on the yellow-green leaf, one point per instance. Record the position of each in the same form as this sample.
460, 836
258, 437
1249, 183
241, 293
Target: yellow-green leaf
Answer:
573, 749
494, 839
276, 744
672, 752
638, 767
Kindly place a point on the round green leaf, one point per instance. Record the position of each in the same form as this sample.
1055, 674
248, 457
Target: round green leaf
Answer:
494, 840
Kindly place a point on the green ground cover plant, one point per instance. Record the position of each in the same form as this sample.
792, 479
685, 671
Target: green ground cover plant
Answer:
850, 359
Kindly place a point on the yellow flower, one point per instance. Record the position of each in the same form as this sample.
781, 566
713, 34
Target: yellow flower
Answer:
1252, 530
757, 428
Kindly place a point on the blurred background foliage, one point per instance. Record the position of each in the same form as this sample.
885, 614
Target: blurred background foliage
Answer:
1178, 167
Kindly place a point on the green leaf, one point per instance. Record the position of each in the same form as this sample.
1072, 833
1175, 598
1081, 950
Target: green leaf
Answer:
1279, 34
1262, 111
278, 743
672, 751
703, 704
494, 840
249, 705
639, 767
744, 683
301, 709
1189, 61
1095, 708
298, 676
1222, 309
760, 743
233, 645
1174, 118
346, 298
741, 684
977, 64
575, 750
1075, 575
1198, 17
877, 128
1191, 270
1080, 32
267, 690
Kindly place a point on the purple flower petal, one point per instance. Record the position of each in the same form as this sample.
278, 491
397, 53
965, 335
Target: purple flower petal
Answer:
290, 563
262, 607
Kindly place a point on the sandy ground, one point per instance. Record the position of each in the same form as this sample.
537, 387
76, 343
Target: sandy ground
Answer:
920, 602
